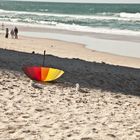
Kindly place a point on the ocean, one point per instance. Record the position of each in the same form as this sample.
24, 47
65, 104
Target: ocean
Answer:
100, 18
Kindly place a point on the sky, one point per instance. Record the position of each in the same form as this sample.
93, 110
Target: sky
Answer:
90, 1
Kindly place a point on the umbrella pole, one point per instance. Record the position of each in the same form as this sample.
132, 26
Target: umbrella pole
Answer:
44, 58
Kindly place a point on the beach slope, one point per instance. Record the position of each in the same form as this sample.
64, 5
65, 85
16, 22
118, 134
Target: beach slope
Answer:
96, 98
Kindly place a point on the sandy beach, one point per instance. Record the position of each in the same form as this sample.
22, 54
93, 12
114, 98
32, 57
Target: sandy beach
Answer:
97, 98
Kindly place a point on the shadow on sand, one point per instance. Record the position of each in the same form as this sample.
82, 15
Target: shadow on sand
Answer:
88, 74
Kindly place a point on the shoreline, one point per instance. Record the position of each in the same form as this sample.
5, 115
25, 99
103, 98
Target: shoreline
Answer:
123, 45
96, 54
50, 29
121, 48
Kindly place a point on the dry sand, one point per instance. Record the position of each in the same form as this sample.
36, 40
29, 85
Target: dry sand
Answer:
91, 101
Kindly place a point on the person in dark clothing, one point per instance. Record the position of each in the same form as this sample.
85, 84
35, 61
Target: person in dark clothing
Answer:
12, 33
16, 32
7, 33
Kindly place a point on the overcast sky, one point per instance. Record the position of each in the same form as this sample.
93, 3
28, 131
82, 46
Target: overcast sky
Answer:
90, 1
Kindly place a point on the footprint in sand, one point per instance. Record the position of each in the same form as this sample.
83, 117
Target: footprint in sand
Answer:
87, 138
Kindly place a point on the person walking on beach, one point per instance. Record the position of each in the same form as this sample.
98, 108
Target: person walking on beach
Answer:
7, 33
12, 33
16, 32
2, 26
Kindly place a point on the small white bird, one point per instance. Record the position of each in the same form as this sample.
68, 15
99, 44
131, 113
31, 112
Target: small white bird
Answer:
77, 87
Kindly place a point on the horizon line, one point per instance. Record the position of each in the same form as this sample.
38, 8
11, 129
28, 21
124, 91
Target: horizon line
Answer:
74, 2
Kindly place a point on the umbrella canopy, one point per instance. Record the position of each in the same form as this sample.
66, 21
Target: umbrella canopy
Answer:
42, 73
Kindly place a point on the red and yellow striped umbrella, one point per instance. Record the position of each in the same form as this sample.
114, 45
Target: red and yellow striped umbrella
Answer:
42, 73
